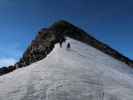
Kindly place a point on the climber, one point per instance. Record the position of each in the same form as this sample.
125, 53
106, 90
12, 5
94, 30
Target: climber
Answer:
61, 41
68, 46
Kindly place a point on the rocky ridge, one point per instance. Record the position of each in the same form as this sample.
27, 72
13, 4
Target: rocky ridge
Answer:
44, 43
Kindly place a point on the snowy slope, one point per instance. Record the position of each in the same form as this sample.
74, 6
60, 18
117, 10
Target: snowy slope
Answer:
79, 73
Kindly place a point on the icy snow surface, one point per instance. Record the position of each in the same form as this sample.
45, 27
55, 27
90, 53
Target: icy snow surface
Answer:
79, 73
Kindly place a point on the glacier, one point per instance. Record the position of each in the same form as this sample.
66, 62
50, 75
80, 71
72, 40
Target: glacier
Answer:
79, 73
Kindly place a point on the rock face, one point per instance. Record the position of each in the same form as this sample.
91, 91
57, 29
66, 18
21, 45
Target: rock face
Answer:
44, 43
41, 46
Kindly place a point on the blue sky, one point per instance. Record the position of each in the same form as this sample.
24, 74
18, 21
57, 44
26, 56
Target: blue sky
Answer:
110, 21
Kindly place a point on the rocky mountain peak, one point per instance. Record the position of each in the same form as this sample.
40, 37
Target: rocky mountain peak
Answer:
46, 39
43, 44
62, 25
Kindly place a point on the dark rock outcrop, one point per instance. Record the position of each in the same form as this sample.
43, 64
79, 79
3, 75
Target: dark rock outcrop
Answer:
40, 47
5, 70
44, 43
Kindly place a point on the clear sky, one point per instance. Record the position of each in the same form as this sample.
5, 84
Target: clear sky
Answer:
110, 21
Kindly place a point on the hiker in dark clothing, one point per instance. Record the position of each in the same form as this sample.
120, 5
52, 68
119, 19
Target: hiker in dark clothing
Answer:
68, 46
61, 41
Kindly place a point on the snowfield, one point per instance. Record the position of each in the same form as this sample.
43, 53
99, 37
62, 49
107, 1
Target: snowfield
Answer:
79, 73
